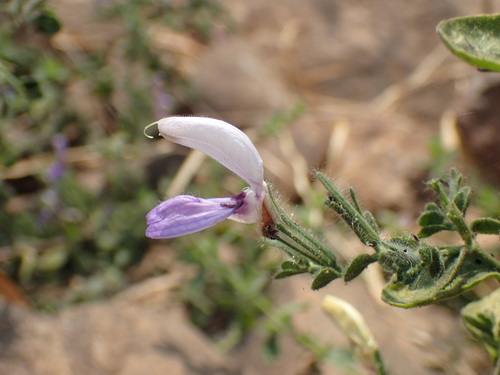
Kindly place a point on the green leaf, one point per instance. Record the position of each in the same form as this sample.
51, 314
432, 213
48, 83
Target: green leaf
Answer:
432, 229
287, 273
358, 265
486, 225
289, 265
436, 265
431, 218
432, 259
462, 272
354, 200
473, 39
349, 212
432, 207
477, 323
371, 221
324, 277
271, 347
462, 199
47, 23
482, 318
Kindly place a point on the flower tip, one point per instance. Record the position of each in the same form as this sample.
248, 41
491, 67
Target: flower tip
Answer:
150, 126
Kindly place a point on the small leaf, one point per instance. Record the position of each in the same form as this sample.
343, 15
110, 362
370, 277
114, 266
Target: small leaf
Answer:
354, 200
431, 218
371, 221
271, 347
431, 257
455, 180
486, 225
289, 265
473, 39
431, 229
358, 265
436, 266
462, 199
287, 273
324, 277
482, 318
432, 207
47, 23
435, 185
476, 323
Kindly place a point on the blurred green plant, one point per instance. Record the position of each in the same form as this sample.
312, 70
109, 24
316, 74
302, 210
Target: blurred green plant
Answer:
482, 318
226, 298
196, 17
86, 222
78, 230
488, 199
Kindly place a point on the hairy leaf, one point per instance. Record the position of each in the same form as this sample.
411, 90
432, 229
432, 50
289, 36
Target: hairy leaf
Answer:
324, 277
486, 225
473, 39
358, 265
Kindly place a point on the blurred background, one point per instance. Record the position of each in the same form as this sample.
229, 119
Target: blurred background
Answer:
362, 90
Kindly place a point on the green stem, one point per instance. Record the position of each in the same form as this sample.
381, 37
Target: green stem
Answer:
354, 218
457, 218
496, 370
436, 186
379, 364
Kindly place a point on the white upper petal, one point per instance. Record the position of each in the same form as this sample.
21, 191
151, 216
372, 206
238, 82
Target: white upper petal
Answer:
219, 140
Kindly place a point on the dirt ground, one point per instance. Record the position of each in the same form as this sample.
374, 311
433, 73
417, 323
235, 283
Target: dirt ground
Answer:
376, 85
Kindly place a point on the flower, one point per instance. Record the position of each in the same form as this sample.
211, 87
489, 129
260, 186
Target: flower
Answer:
60, 145
231, 147
350, 321
354, 326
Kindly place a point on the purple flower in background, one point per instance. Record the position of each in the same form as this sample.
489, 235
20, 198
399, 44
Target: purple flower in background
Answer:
60, 145
228, 145
50, 199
